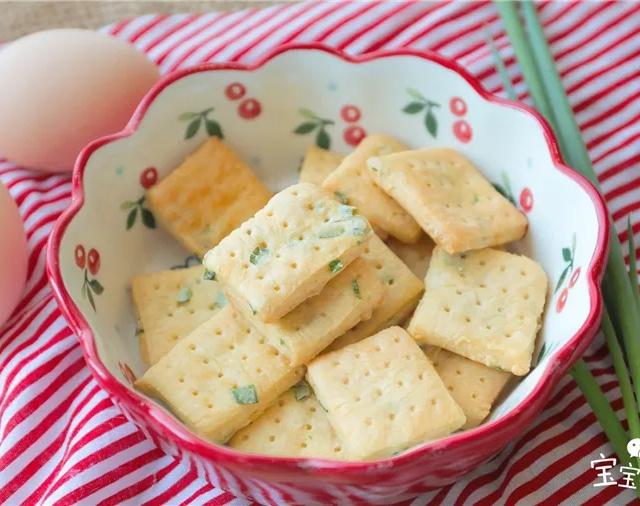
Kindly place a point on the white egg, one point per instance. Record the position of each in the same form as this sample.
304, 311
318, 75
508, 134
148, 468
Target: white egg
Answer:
61, 89
13, 255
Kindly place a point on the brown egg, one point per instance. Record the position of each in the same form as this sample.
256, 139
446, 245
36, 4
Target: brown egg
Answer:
61, 89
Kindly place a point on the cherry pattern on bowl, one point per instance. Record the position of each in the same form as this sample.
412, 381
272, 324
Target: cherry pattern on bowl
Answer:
568, 256
350, 113
89, 263
235, 91
461, 128
249, 108
148, 178
421, 105
562, 300
353, 134
457, 106
526, 200
462, 131
195, 121
314, 123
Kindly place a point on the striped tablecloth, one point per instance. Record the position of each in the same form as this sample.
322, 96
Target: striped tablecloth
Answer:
62, 440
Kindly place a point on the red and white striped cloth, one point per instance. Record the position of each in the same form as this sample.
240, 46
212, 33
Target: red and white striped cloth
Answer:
62, 440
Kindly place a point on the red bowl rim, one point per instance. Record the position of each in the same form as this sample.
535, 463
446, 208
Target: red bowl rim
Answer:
180, 435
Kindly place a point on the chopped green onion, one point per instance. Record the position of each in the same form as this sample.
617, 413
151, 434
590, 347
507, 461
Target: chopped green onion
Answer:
335, 265
258, 255
330, 230
221, 299
633, 264
209, 275
341, 197
301, 390
245, 395
356, 289
184, 295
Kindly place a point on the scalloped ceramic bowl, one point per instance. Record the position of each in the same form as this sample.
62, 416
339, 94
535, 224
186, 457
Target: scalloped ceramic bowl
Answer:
107, 235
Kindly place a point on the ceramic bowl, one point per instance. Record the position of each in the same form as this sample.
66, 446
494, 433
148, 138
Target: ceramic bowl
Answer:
296, 97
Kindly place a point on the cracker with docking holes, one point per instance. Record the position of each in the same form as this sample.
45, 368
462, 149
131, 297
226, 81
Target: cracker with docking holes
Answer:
485, 305
450, 199
288, 251
383, 395
294, 426
415, 256
347, 299
352, 183
220, 377
170, 304
474, 386
318, 163
207, 196
402, 292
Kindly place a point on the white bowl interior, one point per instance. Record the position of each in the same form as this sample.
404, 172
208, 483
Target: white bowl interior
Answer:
505, 141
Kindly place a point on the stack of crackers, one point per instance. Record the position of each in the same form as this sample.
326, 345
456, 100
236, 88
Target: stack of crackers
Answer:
289, 339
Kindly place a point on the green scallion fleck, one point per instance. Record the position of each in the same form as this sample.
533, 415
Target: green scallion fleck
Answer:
301, 390
356, 288
335, 265
360, 226
245, 395
346, 211
184, 295
341, 197
209, 275
221, 300
330, 230
258, 255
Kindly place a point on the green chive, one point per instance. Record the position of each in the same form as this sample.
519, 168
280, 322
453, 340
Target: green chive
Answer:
341, 197
356, 289
630, 406
245, 395
301, 390
633, 264
330, 230
335, 265
502, 69
184, 295
346, 211
221, 300
209, 275
601, 408
258, 255
617, 290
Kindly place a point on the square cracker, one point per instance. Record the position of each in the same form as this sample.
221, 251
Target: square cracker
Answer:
382, 395
351, 181
288, 251
402, 292
450, 199
473, 386
318, 163
415, 256
291, 428
347, 299
169, 305
485, 305
220, 377
207, 196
